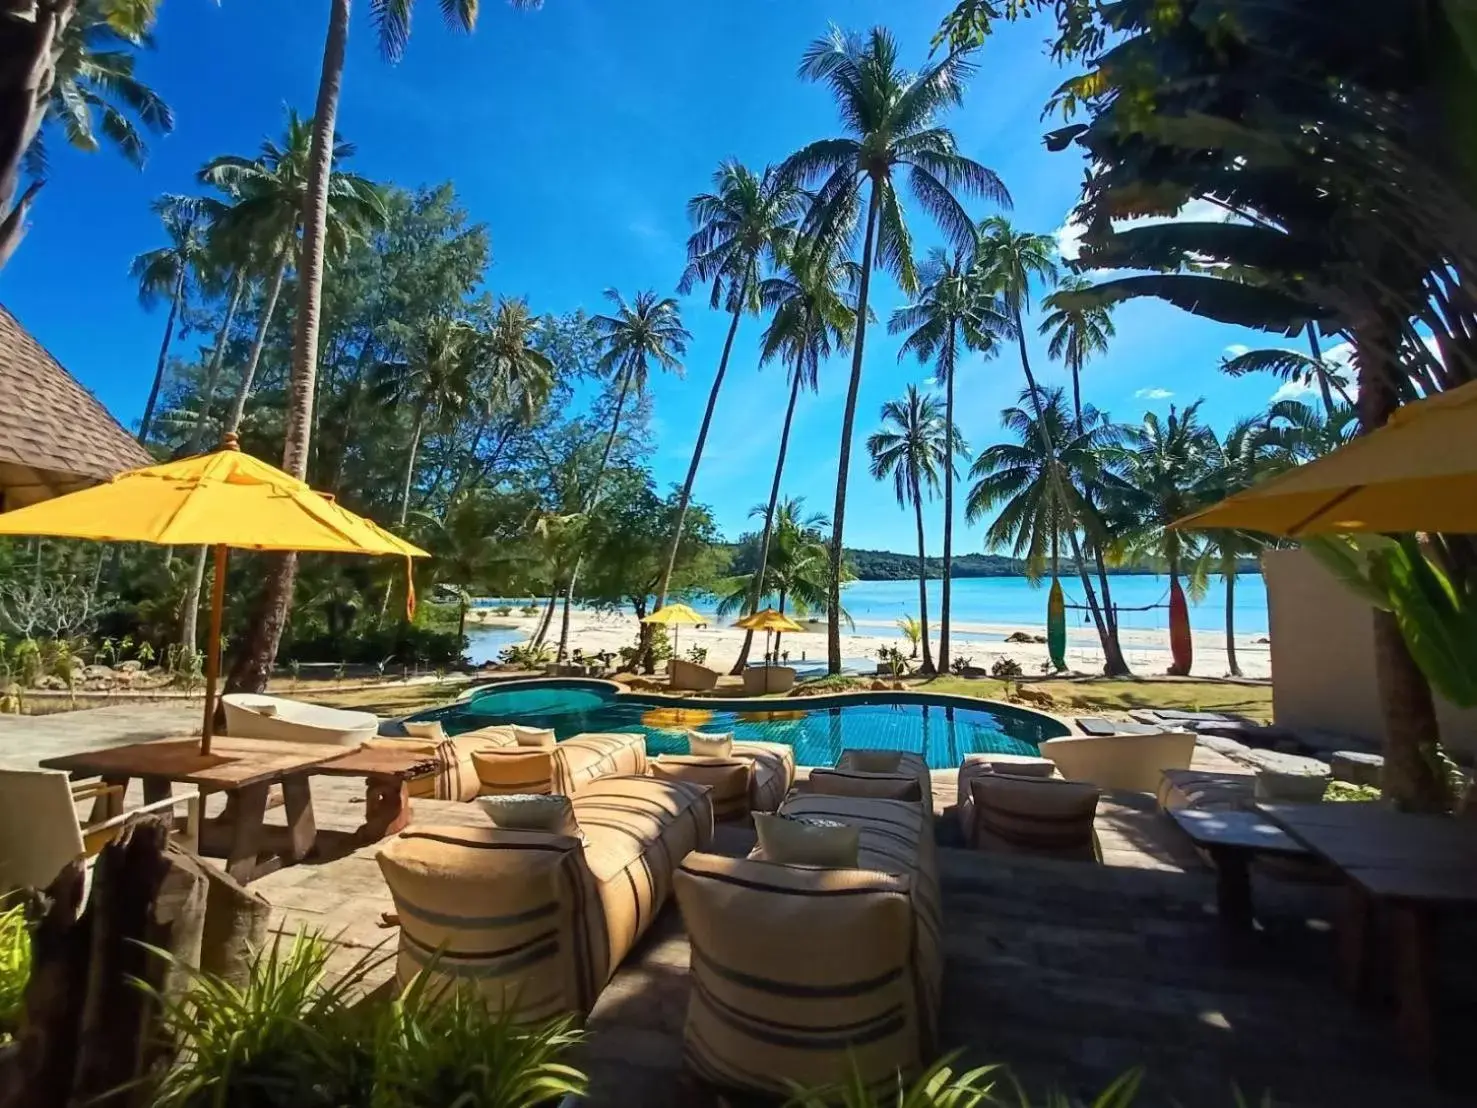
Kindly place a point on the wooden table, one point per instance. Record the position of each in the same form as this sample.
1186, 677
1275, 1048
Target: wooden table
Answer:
388, 774
1413, 867
245, 770
1233, 837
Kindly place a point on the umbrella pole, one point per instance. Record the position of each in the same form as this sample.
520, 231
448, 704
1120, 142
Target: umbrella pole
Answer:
213, 646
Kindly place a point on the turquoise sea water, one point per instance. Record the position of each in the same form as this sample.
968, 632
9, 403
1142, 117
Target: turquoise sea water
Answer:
1140, 599
943, 734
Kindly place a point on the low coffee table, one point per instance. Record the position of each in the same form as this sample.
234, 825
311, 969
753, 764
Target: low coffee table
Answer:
387, 774
1232, 837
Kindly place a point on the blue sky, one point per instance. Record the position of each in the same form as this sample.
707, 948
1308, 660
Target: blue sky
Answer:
577, 133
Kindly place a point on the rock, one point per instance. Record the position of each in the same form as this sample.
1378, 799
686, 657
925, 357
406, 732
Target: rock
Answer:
1263, 641
1357, 767
133, 665
898, 686
1024, 637
53, 683
1294, 787
97, 673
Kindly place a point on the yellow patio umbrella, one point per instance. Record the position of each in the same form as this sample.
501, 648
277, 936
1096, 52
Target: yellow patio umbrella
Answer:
674, 616
769, 621
224, 499
675, 719
1417, 473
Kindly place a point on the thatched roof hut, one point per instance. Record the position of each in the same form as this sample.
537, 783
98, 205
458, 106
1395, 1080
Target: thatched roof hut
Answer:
55, 436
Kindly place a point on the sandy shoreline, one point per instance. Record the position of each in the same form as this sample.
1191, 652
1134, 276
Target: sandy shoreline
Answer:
1147, 651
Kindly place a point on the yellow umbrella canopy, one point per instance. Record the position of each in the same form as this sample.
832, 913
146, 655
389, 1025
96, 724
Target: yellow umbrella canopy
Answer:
767, 619
675, 615
224, 499
1417, 473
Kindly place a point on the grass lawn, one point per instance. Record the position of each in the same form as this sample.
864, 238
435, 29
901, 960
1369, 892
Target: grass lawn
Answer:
1115, 696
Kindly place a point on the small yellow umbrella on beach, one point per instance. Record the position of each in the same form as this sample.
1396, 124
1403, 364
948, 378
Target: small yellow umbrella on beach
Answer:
223, 499
674, 616
769, 621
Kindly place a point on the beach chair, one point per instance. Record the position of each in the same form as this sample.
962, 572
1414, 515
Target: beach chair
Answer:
41, 830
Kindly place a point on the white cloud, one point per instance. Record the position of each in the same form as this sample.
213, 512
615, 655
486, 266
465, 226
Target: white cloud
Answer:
1069, 234
1235, 350
1293, 390
1153, 394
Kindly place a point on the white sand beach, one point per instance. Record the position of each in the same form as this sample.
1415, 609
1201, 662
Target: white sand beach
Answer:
1147, 651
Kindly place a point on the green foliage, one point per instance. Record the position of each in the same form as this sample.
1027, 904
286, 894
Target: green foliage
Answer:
894, 659
697, 655
1344, 792
291, 1039
409, 644
15, 965
912, 630
1006, 667
526, 655
936, 1087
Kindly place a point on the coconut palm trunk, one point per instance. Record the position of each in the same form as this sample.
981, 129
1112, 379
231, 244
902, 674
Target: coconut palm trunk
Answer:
255, 667
25, 88
756, 594
146, 424
946, 586
927, 667
217, 358
697, 457
1229, 572
248, 375
848, 423
615, 423
417, 429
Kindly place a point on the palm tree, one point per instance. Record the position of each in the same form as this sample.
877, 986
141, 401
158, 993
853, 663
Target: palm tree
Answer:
814, 315
1167, 470
165, 272
954, 310
891, 116
912, 447
1010, 261
747, 220
915, 632
1300, 432
646, 331
73, 66
392, 19
1078, 331
1245, 456
262, 221
433, 379
797, 572
1039, 491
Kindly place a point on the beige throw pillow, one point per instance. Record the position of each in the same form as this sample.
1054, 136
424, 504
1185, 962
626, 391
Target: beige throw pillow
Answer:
806, 841
702, 745
541, 738
426, 729
878, 786
531, 812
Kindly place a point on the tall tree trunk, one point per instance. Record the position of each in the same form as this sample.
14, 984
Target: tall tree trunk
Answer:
543, 627
255, 667
1230, 575
927, 667
1076, 393
212, 375
1322, 376
756, 592
189, 636
697, 457
946, 603
27, 47
248, 375
615, 423
415, 443
848, 422
146, 424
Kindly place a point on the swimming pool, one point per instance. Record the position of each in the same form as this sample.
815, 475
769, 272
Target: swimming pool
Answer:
943, 729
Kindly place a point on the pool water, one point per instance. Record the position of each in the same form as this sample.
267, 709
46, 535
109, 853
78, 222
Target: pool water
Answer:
942, 732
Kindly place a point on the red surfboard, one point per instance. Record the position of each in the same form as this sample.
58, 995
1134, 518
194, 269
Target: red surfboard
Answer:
1181, 646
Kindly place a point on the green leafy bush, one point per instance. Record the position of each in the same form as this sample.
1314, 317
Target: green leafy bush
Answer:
697, 655
1005, 667
15, 966
1346, 791
831, 683
290, 1039
407, 643
526, 655
504, 610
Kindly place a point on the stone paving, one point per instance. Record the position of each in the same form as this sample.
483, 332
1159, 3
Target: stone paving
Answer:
1069, 973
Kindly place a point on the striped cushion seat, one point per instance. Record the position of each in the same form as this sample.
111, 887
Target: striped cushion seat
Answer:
458, 777
514, 769
585, 758
798, 971
1035, 815
910, 767
727, 778
536, 920
1018, 765
774, 773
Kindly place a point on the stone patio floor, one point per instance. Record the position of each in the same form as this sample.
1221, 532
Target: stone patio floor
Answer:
1069, 973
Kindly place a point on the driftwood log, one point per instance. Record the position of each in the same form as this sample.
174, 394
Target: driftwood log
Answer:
89, 1033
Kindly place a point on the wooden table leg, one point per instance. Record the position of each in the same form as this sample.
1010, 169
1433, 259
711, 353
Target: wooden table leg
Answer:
1353, 937
301, 830
245, 808
1233, 889
386, 808
1410, 928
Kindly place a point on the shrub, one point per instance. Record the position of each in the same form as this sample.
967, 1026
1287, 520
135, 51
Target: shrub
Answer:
697, 655
1006, 667
939, 1087
288, 1040
408, 643
831, 683
15, 966
503, 610
531, 609
526, 655
960, 664
1340, 791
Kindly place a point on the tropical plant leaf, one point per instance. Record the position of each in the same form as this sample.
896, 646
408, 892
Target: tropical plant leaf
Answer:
1243, 305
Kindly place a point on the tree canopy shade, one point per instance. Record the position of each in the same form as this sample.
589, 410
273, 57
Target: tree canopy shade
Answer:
891, 117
